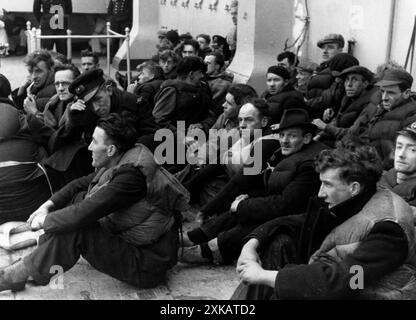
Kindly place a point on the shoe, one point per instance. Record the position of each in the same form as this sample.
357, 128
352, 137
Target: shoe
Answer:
13, 277
194, 255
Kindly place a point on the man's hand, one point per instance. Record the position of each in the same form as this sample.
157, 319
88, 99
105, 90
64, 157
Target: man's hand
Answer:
251, 272
328, 114
195, 126
44, 209
38, 221
320, 124
79, 105
249, 252
29, 105
237, 201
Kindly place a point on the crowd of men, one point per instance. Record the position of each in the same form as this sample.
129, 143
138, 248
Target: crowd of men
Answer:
331, 201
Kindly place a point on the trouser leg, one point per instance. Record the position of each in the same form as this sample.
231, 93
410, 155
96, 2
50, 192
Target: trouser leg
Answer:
104, 251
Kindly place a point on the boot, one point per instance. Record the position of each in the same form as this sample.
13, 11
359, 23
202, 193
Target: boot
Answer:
14, 276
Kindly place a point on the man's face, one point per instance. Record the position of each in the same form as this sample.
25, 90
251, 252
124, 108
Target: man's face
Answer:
212, 66
392, 96
354, 85
333, 190
249, 119
285, 64
292, 140
202, 43
275, 83
188, 51
234, 15
39, 74
101, 103
405, 155
145, 75
99, 147
63, 80
87, 64
329, 50
303, 77
167, 65
230, 107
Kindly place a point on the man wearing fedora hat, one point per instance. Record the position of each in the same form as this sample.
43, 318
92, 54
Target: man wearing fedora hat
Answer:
290, 181
359, 90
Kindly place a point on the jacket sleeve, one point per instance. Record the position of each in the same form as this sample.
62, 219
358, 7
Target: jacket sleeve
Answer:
165, 107
381, 252
292, 200
64, 196
126, 188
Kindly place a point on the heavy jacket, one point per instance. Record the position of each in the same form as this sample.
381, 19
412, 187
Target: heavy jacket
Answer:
135, 200
180, 101
286, 99
406, 189
289, 186
382, 129
219, 85
54, 110
373, 231
147, 92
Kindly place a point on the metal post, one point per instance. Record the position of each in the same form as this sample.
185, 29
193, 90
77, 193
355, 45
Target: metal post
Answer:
69, 45
29, 36
35, 36
108, 48
128, 56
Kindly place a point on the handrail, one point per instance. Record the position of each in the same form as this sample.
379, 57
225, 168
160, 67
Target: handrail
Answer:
34, 36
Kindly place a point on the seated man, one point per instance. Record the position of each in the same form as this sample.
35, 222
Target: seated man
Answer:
168, 60
288, 188
120, 218
218, 80
359, 90
39, 87
397, 110
360, 243
402, 178
89, 61
304, 73
289, 61
280, 93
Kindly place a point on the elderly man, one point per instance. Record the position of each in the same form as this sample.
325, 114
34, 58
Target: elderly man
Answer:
358, 242
287, 190
402, 178
304, 72
359, 92
120, 218
39, 87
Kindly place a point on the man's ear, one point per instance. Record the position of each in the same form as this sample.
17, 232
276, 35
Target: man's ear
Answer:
111, 150
355, 188
109, 89
406, 94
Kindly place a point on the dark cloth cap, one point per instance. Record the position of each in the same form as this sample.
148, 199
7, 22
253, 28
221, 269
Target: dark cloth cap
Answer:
342, 61
219, 39
332, 38
367, 74
86, 86
394, 77
296, 118
280, 71
409, 131
172, 36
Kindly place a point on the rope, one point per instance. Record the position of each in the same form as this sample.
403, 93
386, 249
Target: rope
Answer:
303, 35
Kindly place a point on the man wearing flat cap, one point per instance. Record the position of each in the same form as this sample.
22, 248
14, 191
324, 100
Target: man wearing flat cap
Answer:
396, 111
289, 182
304, 73
95, 98
331, 45
359, 90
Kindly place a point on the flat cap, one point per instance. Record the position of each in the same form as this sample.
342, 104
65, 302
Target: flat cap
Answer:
332, 38
87, 85
367, 74
394, 77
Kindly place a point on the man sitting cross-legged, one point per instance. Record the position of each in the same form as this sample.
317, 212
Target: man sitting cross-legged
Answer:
120, 218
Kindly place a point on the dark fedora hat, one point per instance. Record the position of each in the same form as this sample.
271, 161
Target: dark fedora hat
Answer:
296, 118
